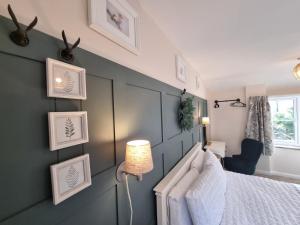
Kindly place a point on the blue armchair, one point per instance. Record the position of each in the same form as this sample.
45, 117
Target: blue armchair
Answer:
246, 162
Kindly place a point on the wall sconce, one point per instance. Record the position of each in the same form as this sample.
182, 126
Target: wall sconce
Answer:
205, 123
138, 161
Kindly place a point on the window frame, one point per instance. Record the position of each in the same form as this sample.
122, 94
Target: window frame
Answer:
296, 102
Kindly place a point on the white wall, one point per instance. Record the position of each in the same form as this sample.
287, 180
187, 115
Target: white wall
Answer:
286, 162
227, 123
157, 55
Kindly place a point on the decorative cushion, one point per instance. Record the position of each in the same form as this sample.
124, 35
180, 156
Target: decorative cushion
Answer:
198, 161
178, 211
206, 197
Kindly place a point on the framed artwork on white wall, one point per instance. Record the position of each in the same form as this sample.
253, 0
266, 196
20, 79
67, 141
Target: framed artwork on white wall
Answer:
116, 20
70, 177
65, 80
197, 82
67, 129
181, 69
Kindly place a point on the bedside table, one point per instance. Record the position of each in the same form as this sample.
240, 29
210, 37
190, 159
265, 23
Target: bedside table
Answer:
218, 148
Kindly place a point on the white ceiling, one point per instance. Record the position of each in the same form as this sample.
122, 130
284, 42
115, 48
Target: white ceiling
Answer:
234, 42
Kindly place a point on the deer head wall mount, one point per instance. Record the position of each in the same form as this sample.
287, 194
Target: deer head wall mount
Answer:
19, 36
66, 53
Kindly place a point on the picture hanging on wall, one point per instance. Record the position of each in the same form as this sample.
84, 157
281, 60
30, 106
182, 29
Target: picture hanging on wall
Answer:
116, 20
67, 129
181, 70
65, 80
197, 82
70, 177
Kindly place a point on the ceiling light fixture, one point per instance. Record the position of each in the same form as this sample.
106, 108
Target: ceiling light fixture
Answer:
296, 71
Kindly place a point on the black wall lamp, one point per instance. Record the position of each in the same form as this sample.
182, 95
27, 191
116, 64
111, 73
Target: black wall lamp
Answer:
235, 103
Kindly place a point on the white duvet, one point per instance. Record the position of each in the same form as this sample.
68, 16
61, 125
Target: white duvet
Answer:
252, 200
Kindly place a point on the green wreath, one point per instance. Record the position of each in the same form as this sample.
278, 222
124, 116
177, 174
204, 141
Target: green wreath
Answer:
186, 114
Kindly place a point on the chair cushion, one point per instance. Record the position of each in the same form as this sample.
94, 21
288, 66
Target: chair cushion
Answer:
239, 165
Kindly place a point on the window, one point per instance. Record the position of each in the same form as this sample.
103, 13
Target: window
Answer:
285, 113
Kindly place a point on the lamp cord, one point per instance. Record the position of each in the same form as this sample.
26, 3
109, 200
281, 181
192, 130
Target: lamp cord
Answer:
129, 198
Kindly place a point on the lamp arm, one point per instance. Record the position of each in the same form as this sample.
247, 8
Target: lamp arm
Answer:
122, 173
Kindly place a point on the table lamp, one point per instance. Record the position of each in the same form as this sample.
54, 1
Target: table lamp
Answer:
205, 123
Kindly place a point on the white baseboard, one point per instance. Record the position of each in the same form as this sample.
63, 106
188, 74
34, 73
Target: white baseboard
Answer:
263, 172
277, 173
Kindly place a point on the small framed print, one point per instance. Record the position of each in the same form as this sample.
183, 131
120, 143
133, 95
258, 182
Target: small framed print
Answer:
65, 80
67, 129
70, 177
181, 72
197, 82
116, 20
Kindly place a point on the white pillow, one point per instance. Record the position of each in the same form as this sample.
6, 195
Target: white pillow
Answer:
206, 197
211, 159
198, 161
178, 210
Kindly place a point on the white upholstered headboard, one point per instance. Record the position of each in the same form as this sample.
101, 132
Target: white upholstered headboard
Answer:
165, 185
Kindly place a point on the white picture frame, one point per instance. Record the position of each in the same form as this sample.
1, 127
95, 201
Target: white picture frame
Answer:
70, 177
197, 82
181, 69
67, 129
117, 21
65, 80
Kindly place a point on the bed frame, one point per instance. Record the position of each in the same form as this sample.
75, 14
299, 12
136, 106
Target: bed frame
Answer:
163, 188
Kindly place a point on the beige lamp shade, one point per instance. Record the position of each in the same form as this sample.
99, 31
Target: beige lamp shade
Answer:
296, 71
138, 158
205, 120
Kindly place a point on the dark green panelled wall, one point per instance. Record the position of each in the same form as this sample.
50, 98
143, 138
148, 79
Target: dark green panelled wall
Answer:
122, 104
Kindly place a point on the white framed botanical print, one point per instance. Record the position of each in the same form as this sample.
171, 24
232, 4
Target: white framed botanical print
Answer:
65, 80
181, 70
70, 177
116, 20
67, 129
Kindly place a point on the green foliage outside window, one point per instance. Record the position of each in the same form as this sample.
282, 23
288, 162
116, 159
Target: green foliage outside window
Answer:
283, 125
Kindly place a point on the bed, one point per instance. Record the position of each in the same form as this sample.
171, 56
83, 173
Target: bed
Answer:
249, 200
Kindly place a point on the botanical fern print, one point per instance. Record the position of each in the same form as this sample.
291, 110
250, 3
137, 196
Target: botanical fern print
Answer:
69, 128
68, 82
72, 177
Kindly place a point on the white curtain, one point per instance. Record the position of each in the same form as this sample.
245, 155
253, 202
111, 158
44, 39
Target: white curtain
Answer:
259, 125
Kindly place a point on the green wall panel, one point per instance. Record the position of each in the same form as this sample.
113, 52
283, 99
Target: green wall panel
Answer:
25, 157
122, 104
101, 123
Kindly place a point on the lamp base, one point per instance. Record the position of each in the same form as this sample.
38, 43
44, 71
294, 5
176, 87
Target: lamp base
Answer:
121, 173
204, 142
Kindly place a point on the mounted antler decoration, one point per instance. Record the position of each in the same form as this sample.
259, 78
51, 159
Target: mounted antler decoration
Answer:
67, 52
19, 36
